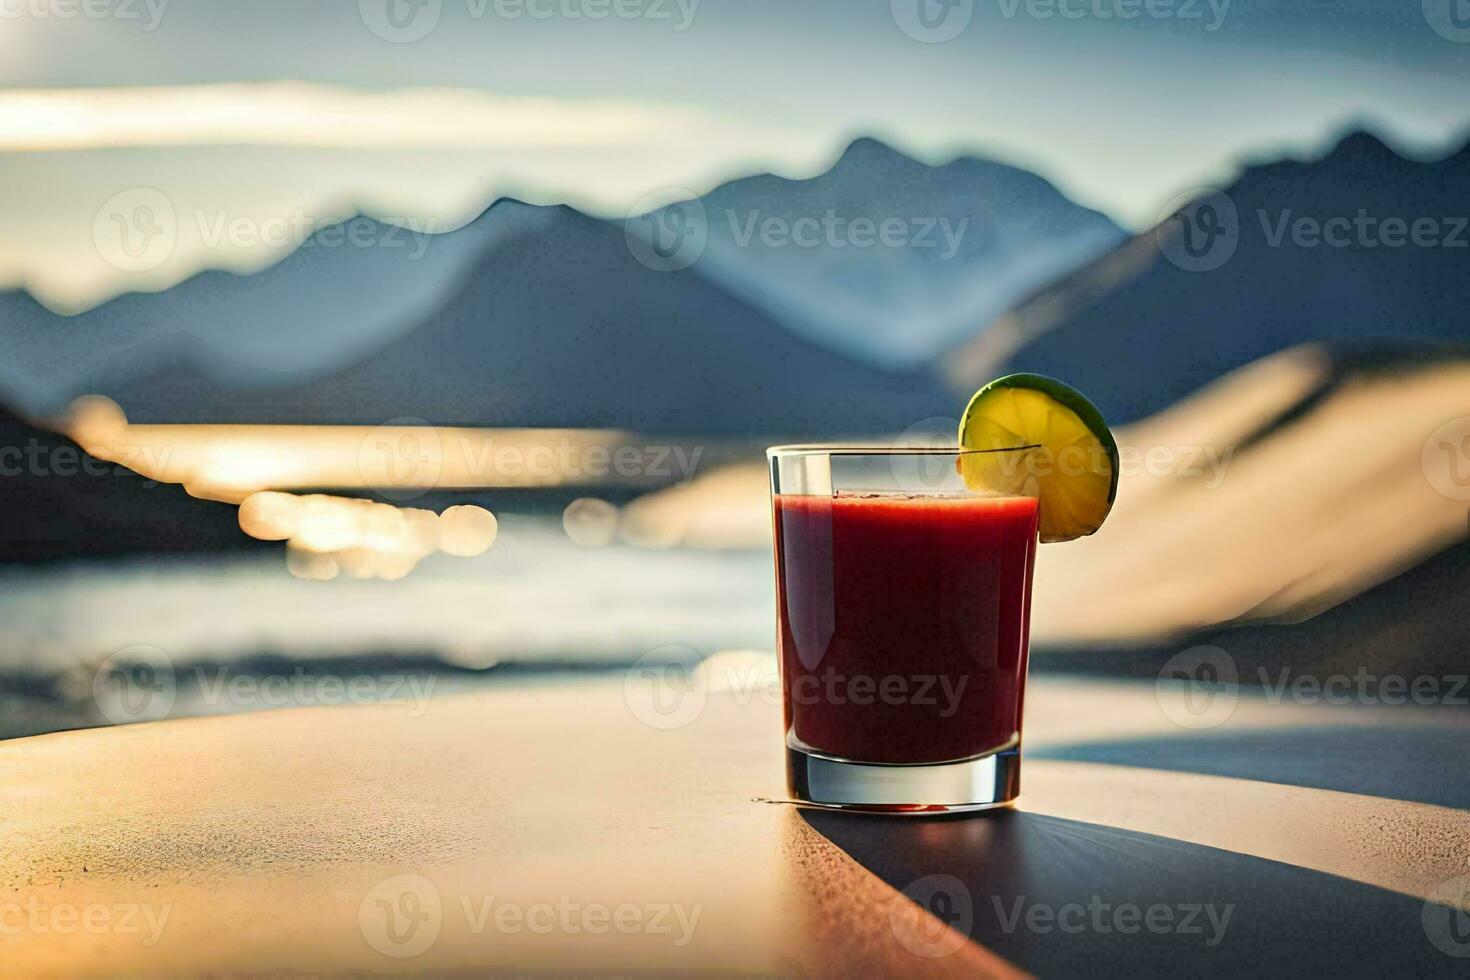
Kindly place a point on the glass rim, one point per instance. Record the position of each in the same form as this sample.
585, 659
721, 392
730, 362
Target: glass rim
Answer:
837, 449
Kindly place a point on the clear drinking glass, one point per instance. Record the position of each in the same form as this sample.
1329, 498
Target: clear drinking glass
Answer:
903, 599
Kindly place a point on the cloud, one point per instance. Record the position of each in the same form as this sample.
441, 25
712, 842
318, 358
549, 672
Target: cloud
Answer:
215, 167
305, 115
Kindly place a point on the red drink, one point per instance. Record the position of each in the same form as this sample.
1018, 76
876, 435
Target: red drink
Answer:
903, 623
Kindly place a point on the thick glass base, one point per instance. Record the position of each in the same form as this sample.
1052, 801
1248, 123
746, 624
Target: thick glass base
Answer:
982, 783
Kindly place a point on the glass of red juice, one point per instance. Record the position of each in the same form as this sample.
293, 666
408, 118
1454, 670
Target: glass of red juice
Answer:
903, 606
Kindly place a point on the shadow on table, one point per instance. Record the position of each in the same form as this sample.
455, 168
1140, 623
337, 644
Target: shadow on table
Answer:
1060, 897
1419, 764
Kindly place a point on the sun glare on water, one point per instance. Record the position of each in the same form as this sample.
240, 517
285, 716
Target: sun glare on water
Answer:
328, 535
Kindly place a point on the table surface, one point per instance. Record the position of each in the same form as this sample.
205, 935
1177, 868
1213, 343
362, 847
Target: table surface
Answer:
549, 829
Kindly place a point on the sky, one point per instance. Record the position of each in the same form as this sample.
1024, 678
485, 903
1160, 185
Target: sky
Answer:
229, 114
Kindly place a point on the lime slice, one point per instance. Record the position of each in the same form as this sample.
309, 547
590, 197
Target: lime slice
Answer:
1072, 466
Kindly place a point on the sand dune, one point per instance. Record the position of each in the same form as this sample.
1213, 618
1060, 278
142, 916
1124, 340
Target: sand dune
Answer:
1275, 493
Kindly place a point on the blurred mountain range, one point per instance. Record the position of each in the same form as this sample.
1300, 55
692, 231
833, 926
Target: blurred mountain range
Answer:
789, 316
811, 305
565, 327
1362, 244
792, 314
966, 241
325, 305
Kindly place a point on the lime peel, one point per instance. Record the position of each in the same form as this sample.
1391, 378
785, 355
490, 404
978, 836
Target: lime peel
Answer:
1071, 467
